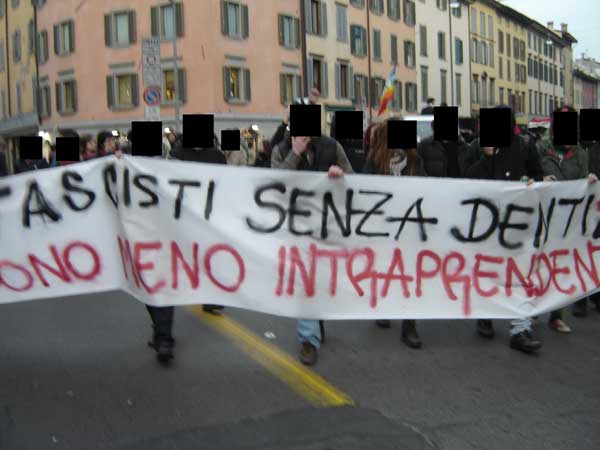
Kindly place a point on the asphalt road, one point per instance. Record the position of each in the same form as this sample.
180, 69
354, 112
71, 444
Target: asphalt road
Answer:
76, 374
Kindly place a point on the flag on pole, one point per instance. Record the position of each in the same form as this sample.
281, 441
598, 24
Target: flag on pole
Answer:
388, 91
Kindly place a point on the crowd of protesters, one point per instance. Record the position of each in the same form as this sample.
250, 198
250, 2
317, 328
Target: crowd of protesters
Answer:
530, 157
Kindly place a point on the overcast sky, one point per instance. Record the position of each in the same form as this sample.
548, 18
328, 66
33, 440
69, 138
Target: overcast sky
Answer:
582, 16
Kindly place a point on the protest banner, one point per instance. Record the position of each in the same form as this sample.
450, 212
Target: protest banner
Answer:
298, 244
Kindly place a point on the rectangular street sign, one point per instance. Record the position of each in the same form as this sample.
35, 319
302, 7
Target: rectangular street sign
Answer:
151, 72
152, 113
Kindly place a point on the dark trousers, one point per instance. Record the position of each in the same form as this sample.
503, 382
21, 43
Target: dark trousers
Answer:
162, 319
558, 314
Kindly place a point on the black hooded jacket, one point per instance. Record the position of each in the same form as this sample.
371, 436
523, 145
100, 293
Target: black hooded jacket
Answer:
353, 148
205, 155
511, 163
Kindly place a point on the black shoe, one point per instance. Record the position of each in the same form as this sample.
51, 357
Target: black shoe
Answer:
383, 323
409, 334
524, 342
308, 354
485, 328
164, 348
580, 308
213, 309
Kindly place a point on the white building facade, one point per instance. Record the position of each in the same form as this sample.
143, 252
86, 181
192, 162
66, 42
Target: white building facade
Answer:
545, 71
442, 48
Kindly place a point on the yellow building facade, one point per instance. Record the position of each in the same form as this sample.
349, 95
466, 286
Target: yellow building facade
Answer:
18, 76
512, 64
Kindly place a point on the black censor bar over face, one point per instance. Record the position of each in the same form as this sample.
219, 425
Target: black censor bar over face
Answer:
146, 138
198, 130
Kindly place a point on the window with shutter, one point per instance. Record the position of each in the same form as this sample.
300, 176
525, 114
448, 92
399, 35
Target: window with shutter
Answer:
179, 21
324, 80
377, 45
424, 83
247, 85
58, 90
323, 8
341, 22
182, 85
409, 12
226, 84
30, 37
458, 50
338, 83
110, 99
132, 27
423, 40
394, 48
71, 34
17, 46
154, 17
245, 23
108, 29
2, 63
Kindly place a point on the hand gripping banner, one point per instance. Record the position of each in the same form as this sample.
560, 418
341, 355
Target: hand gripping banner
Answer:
298, 244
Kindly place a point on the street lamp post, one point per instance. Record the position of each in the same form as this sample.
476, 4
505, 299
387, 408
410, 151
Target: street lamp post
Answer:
176, 68
453, 5
369, 93
305, 86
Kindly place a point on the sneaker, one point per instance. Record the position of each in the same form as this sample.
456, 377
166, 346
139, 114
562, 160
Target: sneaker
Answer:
308, 354
383, 323
524, 342
409, 334
559, 325
485, 328
580, 308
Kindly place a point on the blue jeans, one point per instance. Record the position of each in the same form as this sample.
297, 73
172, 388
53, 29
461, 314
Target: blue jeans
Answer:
519, 325
309, 331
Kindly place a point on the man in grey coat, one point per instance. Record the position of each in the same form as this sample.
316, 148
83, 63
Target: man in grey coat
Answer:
315, 154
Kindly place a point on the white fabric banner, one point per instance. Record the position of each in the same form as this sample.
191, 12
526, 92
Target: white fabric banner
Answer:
298, 244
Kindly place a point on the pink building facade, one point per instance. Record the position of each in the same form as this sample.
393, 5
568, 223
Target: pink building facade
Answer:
230, 58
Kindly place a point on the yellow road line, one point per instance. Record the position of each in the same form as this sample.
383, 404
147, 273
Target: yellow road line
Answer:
299, 378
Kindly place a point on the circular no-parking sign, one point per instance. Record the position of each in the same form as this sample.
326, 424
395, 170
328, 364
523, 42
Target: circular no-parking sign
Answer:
152, 96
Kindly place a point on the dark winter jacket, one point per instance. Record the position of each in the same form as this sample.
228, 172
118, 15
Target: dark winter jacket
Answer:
593, 151
205, 155
3, 165
565, 163
29, 165
508, 163
445, 159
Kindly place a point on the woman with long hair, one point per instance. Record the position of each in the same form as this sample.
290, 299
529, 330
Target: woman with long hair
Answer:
382, 160
87, 147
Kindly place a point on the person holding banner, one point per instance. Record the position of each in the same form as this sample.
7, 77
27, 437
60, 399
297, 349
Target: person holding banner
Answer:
519, 161
162, 317
593, 149
382, 160
313, 154
445, 159
564, 163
